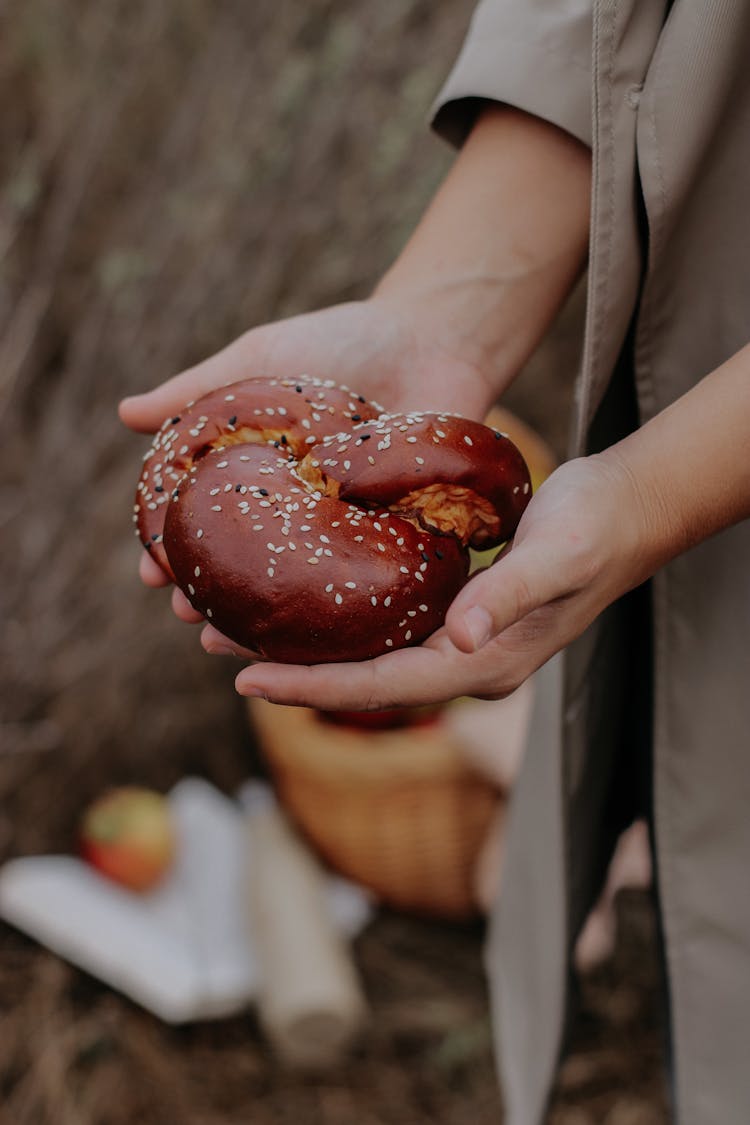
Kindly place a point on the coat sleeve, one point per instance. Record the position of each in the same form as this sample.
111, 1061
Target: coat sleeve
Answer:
531, 54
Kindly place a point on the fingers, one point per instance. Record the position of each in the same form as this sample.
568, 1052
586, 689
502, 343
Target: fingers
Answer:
182, 608
406, 678
520, 582
150, 571
216, 644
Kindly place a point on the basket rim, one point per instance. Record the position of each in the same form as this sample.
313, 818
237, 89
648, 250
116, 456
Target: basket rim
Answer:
296, 739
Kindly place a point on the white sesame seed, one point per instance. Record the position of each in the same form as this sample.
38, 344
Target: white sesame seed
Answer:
199, 533
191, 589
197, 572
387, 601
338, 599
351, 585
423, 608
468, 440
216, 507
329, 587
389, 642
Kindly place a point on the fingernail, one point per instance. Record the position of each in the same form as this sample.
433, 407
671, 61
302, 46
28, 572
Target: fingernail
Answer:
221, 650
244, 688
478, 625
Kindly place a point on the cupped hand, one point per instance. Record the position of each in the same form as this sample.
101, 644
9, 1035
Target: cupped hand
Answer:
380, 348
580, 545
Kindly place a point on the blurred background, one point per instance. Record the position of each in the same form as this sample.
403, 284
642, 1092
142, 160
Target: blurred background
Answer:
172, 172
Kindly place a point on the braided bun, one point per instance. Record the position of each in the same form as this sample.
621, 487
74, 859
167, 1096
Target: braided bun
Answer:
310, 526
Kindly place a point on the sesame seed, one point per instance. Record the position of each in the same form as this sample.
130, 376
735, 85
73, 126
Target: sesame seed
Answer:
338, 599
209, 613
389, 642
423, 608
199, 533
197, 572
468, 440
387, 601
329, 587
216, 507
351, 585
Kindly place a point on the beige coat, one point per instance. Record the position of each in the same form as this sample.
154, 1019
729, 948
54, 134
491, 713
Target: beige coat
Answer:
662, 93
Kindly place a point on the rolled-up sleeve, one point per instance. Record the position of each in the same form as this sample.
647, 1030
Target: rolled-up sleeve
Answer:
531, 54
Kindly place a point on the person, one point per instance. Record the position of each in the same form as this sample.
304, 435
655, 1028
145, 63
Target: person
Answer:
610, 135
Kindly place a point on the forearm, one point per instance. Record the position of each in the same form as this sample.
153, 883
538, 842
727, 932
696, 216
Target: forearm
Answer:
690, 465
502, 242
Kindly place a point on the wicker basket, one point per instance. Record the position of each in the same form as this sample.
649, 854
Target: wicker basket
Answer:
399, 811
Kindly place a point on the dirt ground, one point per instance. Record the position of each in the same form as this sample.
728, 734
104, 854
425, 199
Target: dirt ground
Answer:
171, 172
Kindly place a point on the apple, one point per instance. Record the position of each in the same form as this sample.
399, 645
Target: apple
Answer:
128, 835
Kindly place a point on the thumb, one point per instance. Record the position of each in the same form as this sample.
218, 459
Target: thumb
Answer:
520, 581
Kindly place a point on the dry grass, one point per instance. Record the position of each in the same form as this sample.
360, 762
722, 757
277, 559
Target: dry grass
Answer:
172, 171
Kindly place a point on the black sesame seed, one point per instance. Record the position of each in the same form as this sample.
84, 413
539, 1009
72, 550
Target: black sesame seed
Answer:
175, 420
148, 546
238, 488
283, 440
365, 437
263, 491
233, 420
158, 488
361, 398
154, 538
356, 417
276, 444
175, 494
438, 554
425, 556
298, 390
498, 435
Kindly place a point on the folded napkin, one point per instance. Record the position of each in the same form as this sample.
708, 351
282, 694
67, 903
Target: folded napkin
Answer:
184, 950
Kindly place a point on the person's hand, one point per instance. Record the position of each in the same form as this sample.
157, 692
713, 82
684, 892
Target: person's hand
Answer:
394, 355
582, 542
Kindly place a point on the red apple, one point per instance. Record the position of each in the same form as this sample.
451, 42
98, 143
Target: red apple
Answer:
128, 835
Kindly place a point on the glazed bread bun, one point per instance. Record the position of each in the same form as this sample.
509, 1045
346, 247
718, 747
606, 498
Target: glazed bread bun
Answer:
310, 526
